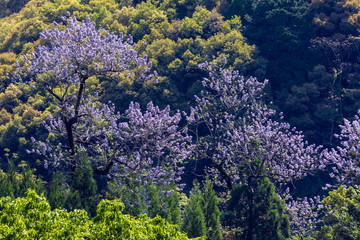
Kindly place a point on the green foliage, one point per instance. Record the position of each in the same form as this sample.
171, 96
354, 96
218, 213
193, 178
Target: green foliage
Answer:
19, 120
175, 49
311, 108
57, 191
194, 221
337, 30
269, 219
238, 8
281, 29
31, 217
184, 8
211, 212
173, 215
15, 183
84, 183
140, 199
8, 7
62, 196
81, 194
148, 23
345, 22
342, 215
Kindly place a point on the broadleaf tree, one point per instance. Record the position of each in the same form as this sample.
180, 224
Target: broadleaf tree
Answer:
239, 139
63, 67
146, 147
345, 159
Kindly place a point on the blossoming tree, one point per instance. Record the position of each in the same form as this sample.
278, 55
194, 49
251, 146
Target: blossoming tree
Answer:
241, 142
144, 146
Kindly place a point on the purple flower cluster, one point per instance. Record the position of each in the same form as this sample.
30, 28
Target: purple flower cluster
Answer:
243, 141
147, 146
304, 215
345, 159
80, 52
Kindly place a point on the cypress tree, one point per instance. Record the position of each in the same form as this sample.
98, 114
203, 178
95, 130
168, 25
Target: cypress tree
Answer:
61, 196
267, 214
194, 222
173, 215
9, 184
211, 212
85, 185
14, 183
56, 191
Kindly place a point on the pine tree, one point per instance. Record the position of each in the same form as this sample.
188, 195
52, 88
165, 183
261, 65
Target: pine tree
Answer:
173, 210
56, 191
263, 219
15, 183
85, 184
61, 196
211, 212
194, 222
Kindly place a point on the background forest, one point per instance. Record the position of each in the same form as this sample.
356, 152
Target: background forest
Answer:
230, 119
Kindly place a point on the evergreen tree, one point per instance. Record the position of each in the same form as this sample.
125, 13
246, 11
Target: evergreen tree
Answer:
281, 29
263, 219
149, 199
211, 212
85, 184
173, 215
56, 191
194, 221
61, 196
15, 183
73, 200
9, 184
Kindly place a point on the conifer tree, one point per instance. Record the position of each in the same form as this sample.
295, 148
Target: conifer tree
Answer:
194, 222
16, 182
85, 184
56, 191
173, 215
73, 200
262, 219
211, 212
61, 196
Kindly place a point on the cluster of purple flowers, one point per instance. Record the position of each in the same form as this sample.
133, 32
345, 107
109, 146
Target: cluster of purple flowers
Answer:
244, 140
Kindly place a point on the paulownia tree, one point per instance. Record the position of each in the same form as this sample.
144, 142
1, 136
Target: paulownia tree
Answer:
70, 58
238, 136
345, 159
239, 140
143, 146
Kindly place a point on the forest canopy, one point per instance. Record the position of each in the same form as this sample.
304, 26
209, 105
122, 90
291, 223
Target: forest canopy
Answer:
232, 119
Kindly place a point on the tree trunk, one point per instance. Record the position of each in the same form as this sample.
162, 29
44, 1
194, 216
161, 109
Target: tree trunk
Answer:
71, 141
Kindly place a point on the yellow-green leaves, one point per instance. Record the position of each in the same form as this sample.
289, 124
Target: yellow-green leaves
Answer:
32, 218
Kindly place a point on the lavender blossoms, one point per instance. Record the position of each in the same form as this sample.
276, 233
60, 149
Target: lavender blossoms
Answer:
146, 146
345, 159
70, 58
243, 142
